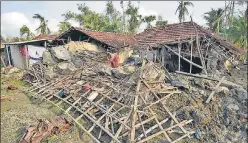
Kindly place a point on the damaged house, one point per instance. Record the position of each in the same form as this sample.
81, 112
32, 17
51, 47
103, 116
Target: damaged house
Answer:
145, 105
78, 38
200, 50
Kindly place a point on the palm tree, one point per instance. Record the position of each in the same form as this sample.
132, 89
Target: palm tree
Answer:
183, 10
25, 30
214, 19
63, 26
43, 28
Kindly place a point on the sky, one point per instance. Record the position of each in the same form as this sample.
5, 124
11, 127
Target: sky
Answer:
15, 14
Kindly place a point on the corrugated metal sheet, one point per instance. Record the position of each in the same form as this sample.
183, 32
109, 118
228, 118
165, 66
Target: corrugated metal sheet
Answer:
17, 58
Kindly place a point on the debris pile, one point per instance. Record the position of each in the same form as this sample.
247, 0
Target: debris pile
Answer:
139, 105
35, 133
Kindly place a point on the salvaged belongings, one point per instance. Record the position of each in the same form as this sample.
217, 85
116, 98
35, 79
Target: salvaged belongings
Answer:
36, 133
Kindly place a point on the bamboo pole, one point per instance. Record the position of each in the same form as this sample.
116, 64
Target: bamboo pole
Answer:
132, 133
179, 57
199, 52
191, 52
212, 93
183, 57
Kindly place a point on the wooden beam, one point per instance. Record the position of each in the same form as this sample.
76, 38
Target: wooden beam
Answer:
166, 109
132, 134
183, 57
212, 93
156, 119
176, 125
162, 55
167, 73
191, 52
151, 129
179, 59
200, 54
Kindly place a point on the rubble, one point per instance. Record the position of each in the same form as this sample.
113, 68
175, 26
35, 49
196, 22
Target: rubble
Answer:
36, 133
61, 53
65, 68
47, 58
136, 105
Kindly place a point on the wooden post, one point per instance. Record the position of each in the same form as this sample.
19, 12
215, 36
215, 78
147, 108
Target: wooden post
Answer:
191, 52
45, 44
200, 55
8, 54
162, 55
179, 57
155, 56
26, 47
183, 57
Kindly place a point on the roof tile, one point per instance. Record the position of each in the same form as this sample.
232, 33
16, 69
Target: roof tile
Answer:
180, 31
46, 37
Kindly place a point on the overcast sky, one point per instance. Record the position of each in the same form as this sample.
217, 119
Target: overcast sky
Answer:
15, 14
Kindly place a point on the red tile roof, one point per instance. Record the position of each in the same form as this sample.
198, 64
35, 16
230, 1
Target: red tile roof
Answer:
114, 40
46, 37
175, 32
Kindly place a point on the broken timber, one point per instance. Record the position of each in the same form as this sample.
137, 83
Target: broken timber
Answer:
212, 93
108, 118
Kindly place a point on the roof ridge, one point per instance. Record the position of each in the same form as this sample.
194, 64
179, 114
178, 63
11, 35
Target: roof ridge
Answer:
104, 31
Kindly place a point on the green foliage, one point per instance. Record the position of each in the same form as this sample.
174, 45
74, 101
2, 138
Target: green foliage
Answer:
87, 18
161, 22
24, 30
63, 26
43, 28
135, 19
214, 19
110, 21
148, 20
237, 33
183, 10
114, 19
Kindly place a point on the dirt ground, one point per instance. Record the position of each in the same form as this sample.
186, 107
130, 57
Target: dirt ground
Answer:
17, 111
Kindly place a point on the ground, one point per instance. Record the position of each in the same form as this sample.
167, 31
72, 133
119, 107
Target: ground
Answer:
18, 111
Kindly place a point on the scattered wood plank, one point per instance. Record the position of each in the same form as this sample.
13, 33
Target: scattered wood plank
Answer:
212, 93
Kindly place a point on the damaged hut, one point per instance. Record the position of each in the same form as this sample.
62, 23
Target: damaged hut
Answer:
188, 48
24, 54
77, 39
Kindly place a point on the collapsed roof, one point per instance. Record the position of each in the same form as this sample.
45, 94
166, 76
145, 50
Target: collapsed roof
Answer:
180, 31
114, 40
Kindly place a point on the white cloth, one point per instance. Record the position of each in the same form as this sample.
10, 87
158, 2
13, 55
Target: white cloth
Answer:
35, 52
